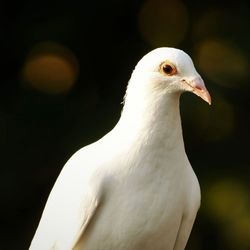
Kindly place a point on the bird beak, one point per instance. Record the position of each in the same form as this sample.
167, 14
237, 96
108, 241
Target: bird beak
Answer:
197, 86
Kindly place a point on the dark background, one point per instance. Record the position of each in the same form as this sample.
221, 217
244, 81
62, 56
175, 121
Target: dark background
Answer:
64, 70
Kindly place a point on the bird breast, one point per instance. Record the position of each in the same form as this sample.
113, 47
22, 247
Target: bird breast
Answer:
144, 204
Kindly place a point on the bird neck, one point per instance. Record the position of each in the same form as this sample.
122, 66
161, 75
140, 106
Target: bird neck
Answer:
152, 119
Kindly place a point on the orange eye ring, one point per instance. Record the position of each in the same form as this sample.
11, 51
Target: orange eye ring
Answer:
168, 69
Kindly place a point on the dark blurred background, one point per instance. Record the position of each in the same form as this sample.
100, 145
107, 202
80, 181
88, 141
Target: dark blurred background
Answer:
64, 70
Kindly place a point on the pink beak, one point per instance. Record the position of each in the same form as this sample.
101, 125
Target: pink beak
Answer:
197, 86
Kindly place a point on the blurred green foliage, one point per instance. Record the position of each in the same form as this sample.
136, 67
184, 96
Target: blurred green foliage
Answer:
64, 70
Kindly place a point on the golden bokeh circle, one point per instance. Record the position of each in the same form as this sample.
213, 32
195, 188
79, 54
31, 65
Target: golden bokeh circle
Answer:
163, 22
50, 68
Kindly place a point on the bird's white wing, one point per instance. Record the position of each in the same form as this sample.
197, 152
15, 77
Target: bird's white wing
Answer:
184, 232
191, 209
89, 210
72, 203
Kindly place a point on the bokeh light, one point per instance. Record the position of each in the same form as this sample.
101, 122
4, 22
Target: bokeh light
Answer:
163, 22
226, 200
50, 68
222, 63
238, 233
227, 203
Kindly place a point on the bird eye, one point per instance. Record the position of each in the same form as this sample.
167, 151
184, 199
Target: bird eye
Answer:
168, 69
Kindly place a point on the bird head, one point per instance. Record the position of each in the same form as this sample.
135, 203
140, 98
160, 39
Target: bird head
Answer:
170, 70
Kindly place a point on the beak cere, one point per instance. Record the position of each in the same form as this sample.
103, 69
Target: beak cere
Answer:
197, 86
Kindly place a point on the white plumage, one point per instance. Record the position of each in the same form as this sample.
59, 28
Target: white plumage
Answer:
134, 188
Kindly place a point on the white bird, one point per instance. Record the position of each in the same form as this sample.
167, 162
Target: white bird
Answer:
134, 188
